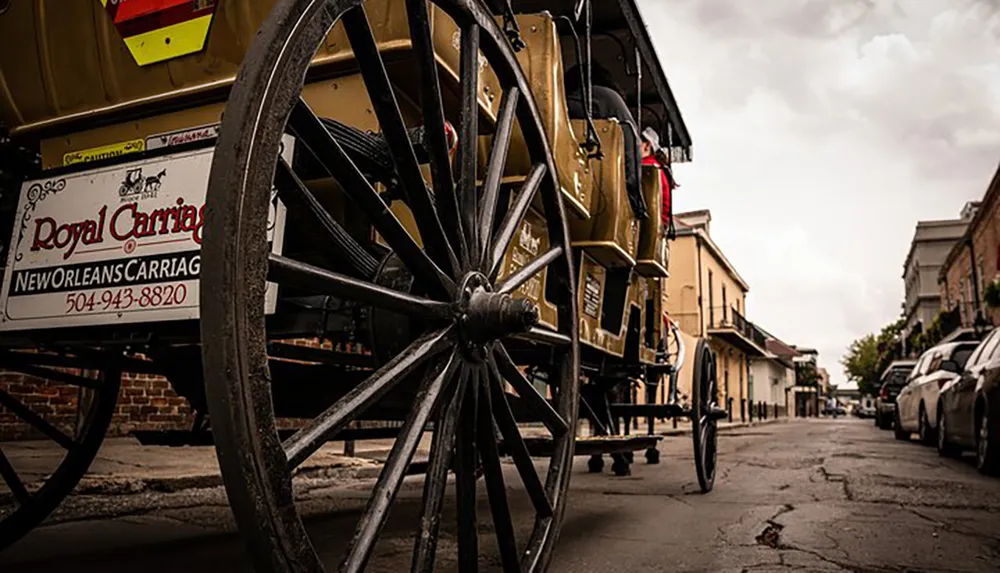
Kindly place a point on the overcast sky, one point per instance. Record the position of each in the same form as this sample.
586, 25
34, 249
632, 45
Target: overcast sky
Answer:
823, 131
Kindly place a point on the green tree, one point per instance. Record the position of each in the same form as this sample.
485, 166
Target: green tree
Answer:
861, 363
870, 355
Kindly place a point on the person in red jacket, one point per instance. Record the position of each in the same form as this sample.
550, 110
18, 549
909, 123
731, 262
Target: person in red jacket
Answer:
651, 151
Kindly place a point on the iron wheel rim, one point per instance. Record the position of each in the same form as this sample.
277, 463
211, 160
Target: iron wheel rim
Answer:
704, 424
253, 461
34, 505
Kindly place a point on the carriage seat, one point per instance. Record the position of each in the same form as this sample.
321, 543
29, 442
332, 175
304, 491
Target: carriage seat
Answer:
653, 259
611, 235
542, 63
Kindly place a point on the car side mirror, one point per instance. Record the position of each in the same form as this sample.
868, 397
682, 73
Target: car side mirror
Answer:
950, 366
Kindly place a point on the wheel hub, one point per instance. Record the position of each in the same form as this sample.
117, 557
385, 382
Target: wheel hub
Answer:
485, 316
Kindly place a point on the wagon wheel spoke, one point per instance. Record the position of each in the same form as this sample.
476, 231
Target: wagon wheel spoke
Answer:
22, 364
493, 472
468, 134
315, 137
35, 421
514, 443
294, 192
285, 271
512, 220
425, 403
391, 123
525, 273
535, 401
308, 439
13, 481
436, 481
445, 195
495, 168
465, 480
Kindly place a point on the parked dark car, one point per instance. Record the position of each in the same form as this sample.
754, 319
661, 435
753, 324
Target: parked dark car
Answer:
892, 381
969, 408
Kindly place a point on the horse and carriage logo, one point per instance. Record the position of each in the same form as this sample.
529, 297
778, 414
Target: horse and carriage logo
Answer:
135, 184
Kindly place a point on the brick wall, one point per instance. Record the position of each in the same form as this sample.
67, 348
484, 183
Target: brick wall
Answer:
985, 234
57, 403
145, 402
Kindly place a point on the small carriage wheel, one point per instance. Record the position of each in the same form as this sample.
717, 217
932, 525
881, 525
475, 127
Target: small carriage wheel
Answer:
466, 317
704, 410
24, 506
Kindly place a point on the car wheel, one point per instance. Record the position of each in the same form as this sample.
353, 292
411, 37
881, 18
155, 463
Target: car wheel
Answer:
987, 444
878, 420
924, 429
897, 425
944, 447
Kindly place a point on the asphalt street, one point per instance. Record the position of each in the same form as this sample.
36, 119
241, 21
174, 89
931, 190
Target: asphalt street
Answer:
806, 495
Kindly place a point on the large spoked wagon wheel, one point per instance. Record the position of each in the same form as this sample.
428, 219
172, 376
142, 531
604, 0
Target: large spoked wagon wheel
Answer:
704, 417
461, 318
29, 498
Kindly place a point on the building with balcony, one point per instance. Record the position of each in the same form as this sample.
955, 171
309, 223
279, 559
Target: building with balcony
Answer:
808, 383
970, 267
706, 296
932, 241
773, 377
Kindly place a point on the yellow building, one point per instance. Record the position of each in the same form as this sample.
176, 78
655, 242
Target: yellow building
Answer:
706, 297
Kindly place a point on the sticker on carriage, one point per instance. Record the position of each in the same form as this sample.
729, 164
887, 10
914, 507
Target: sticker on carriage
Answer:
159, 30
182, 136
116, 245
591, 295
104, 152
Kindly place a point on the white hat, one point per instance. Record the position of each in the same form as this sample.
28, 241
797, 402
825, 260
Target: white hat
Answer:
652, 138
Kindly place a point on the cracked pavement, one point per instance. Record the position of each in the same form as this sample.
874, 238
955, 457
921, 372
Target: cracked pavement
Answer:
805, 495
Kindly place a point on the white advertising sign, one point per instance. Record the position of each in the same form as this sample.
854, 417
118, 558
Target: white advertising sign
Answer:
115, 245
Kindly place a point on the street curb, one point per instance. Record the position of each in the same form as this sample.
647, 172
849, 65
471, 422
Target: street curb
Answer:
726, 428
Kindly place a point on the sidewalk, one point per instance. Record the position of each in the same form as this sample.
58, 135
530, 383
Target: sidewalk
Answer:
124, 466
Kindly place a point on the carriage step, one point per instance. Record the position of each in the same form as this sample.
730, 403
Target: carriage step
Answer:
542, 447
662, 411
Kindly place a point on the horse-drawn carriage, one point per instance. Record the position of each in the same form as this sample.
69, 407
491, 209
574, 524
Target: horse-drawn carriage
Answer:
229, 193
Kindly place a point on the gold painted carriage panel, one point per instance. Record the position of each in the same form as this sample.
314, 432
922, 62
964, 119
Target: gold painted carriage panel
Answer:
541, 61
72, 69
611, 235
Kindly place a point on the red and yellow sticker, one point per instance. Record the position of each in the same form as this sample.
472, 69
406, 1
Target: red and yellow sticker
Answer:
158, 30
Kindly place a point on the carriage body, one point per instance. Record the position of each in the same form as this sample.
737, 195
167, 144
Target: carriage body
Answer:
87, 102
112, 139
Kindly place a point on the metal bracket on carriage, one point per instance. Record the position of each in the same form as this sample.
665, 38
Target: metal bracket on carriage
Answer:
660, 369
511, 28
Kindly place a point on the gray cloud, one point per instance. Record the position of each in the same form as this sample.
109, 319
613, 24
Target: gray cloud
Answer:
823, 131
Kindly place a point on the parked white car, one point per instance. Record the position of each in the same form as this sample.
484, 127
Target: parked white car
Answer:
916, 404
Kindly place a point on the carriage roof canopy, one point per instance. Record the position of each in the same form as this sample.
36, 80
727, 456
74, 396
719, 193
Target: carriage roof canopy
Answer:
618, 30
